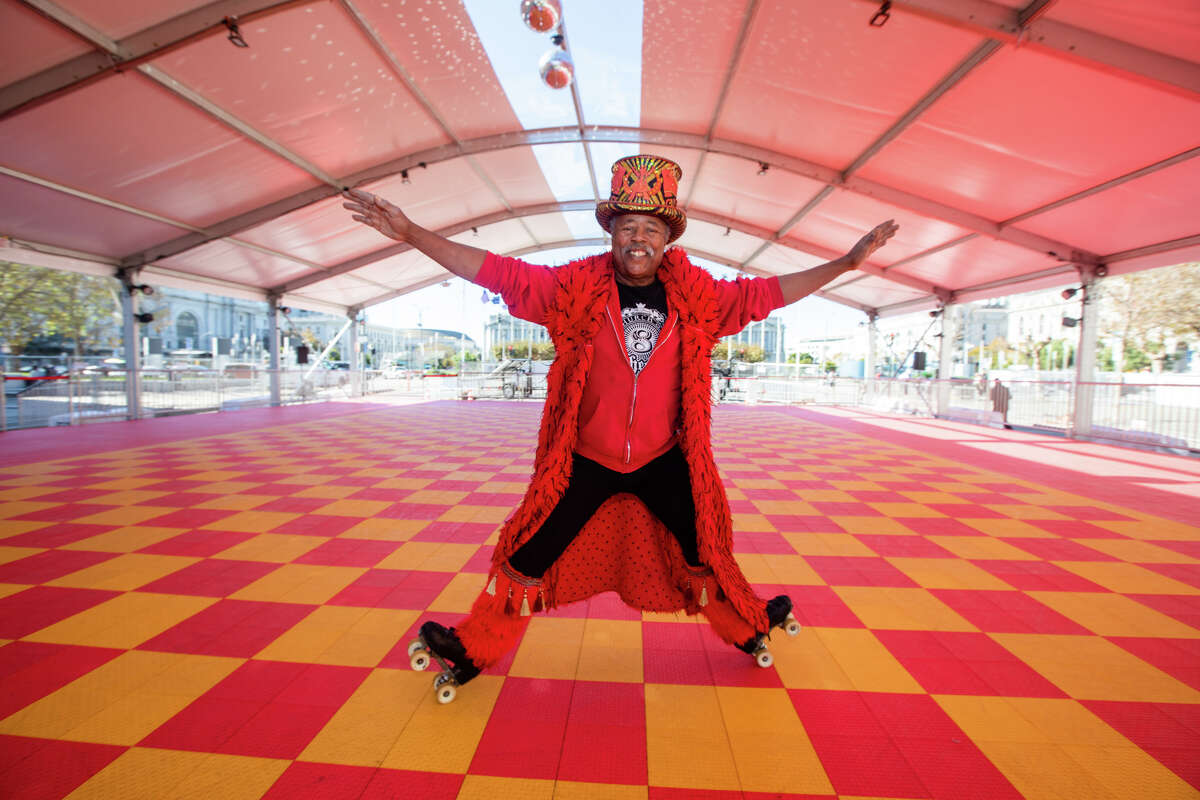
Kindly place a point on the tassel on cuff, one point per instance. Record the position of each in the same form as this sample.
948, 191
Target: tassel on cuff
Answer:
505, 585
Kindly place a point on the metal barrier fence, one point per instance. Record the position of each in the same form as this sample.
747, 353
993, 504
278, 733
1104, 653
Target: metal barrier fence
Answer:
1163, 415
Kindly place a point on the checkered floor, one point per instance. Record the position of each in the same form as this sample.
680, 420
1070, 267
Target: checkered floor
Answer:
225, 616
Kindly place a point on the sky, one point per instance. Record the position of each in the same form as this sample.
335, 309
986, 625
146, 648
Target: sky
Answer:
606, 46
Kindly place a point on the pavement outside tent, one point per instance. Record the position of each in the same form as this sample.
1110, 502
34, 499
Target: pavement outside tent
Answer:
218, 606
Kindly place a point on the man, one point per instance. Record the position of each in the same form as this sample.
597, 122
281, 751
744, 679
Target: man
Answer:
627, 413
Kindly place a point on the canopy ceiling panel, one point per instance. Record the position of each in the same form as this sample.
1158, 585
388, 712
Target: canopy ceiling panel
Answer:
35, 213
147, 148
838, 222
978, 260
1158, 207
32, 43
440, 50
1028, 129
874, 292
835, 83
1170, 26
730, 244
515, 173
687, 48
312, 82
230, 262
135, 133
732, 187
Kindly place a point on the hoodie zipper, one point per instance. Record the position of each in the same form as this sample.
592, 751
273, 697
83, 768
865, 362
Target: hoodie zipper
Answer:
633, 397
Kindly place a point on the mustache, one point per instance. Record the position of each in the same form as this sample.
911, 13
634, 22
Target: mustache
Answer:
630, 248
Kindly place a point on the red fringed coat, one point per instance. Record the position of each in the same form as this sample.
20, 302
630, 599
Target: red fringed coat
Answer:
623, 548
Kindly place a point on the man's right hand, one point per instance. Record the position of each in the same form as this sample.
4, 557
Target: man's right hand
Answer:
381, 215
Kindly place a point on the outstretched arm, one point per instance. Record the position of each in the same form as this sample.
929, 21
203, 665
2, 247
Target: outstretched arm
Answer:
463, 260
801, 284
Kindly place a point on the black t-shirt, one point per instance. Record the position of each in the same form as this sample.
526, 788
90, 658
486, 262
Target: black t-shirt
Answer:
643, 312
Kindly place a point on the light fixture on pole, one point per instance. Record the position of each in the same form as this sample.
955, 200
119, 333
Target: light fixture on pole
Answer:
556, 67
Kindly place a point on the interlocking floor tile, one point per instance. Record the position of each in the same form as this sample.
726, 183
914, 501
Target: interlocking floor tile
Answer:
227, 615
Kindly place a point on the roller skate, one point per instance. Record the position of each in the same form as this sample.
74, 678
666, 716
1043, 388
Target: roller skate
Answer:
779, 615
442, 645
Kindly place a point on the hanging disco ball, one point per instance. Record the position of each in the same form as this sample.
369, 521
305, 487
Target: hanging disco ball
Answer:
556, 68
542, 16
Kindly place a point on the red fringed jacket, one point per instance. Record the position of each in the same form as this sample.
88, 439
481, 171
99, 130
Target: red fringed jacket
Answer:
595, 406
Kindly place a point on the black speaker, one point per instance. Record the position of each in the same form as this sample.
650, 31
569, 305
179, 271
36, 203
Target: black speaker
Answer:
302, 354
919, 361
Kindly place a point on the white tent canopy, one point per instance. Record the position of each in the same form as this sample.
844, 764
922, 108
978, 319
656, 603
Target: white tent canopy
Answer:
1017, 145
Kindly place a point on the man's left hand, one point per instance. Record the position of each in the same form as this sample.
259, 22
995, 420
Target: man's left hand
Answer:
871, 242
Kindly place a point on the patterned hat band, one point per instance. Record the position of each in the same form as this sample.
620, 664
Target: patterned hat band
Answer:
644, 184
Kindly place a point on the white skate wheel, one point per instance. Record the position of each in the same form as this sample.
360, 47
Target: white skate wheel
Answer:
446, 694
791, 626
419, 661
764, 658
414, 646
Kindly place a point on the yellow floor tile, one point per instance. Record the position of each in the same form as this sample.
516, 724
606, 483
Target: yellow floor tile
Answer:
1134, 551
210, 476
551, 648
948, 573
1066, 722
429, 556
935, 498
572, 790
751, 523
1042, 771
223, 487
1092, 668
122, 701
1115, 615
8, 554
122, 484
1149, 530
321, 492
25, 492
905, 510
503, 487
611, 651
144, 774
866, 663
786, 508
16, 527
124, 540
7, 589
363, 730
237, 502
900, 608
459, 594
810, 665
342, 636
487, 787
255, 522
1007, 528
755, 716
469, 513
994, 719
982, 548
825, 495
1024, 511
434, 497
758, 483
872, 526
275, 548
411, 484
300, 583
828, 544
857, 485
1130, 772
777, 568
129, 497
122, 515
443, 738
124, 621
1127, 578
385, 530
353, 508
124, 573
682, 721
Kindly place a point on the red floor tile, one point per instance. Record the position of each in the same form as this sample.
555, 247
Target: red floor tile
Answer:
390, 588
31, 670
41, 606
524, 735
211, 578
49, 565
235, 628
1040, 576
1179, 658
198, 544
52, 769
855, 571
904, 547
605, 739
57, 535
348, 553
189, 518
1006, 612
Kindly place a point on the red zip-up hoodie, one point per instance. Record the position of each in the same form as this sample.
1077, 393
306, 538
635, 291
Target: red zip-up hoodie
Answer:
626, 420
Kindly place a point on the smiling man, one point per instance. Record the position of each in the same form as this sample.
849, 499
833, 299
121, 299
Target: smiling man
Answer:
627, 412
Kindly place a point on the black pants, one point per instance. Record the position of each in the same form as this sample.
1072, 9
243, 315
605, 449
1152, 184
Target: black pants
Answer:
663, 485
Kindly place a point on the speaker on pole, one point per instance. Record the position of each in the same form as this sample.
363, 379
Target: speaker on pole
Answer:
919, 361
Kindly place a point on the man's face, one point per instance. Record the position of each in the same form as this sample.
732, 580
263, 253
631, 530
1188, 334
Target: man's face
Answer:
638, 242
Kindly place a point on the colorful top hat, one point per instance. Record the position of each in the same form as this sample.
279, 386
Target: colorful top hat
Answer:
644, 184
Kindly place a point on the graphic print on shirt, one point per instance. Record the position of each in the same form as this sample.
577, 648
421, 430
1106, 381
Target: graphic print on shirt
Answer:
642, 325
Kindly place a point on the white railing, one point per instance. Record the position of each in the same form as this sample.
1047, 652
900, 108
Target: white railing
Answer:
1164, 415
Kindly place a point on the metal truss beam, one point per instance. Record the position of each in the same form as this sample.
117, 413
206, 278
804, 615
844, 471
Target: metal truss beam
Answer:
1031, 29
116, 56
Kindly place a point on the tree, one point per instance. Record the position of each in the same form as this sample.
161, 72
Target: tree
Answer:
37, 301
1143, 308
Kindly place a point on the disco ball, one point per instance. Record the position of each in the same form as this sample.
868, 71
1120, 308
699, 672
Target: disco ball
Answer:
542, 16
556, 68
